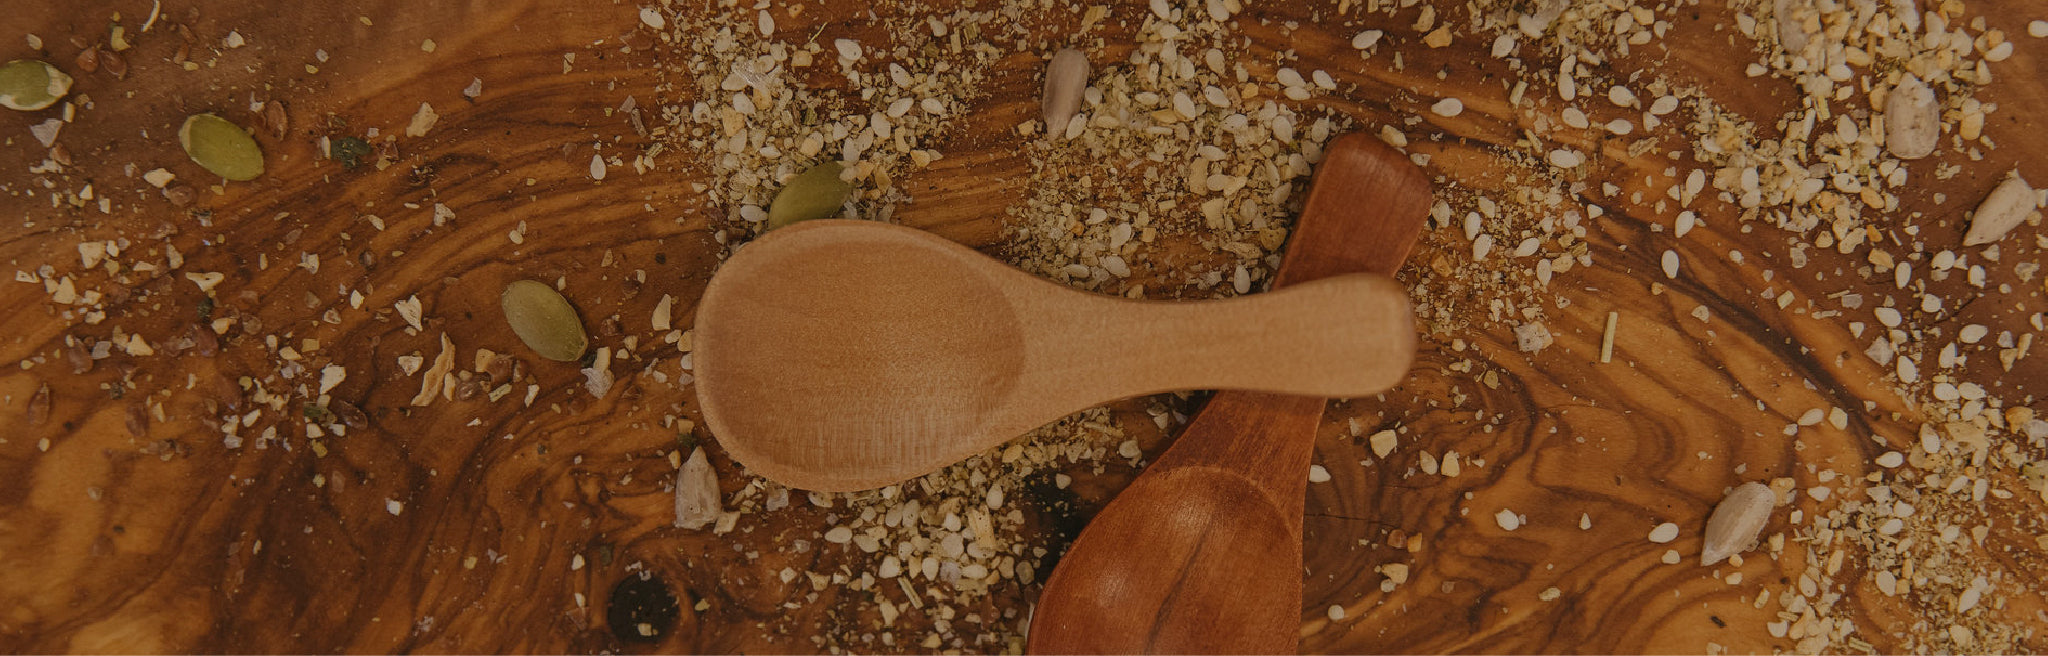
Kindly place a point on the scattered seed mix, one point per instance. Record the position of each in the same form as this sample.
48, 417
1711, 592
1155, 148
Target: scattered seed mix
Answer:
1171, 145
1182, 138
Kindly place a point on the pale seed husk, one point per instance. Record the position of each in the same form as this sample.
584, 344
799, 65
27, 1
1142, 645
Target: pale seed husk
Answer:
2004, 208
2035, 474
1912, 119
1066, 77
814, 194
1737, 521
697, 499
544, 320
28, 85
1791, 29
221, 147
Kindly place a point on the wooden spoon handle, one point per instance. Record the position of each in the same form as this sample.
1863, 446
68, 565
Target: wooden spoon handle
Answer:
1343, 336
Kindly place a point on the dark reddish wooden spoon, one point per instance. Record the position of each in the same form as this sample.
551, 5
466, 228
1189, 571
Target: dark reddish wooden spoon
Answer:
1202, 553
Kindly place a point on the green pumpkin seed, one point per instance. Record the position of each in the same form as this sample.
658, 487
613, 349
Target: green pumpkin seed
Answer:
29, 85
544, 320
222, 147
814, 194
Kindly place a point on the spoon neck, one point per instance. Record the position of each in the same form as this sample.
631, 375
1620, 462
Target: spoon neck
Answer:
1340, 337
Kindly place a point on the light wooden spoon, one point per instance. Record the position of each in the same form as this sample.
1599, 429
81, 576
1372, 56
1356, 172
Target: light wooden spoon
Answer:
1202, 553
841, 355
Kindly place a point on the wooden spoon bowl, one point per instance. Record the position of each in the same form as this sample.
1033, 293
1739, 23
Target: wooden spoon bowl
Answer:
845, 355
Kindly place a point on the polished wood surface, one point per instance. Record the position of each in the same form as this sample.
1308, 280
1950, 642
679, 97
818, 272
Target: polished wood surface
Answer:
515, 525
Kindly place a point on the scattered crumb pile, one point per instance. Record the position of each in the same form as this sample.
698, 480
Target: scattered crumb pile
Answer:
1181, 138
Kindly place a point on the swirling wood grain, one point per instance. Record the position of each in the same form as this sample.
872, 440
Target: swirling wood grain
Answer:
123, 532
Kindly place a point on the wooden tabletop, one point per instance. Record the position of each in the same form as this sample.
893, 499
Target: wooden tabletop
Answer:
128, 522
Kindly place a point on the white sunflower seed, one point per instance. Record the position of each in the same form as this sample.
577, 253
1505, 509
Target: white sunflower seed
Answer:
1737, 521
1066, 77
849, 49
1912, 119
697, 500
1791, 27
2006, 206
